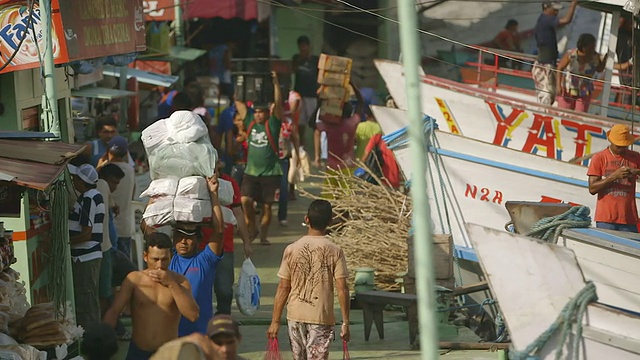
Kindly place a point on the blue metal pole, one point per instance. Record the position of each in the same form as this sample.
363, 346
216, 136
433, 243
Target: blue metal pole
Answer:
423, 248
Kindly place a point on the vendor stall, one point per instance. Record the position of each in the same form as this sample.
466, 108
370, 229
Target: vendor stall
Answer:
35, 264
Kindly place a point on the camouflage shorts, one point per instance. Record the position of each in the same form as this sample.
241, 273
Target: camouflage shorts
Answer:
310, 341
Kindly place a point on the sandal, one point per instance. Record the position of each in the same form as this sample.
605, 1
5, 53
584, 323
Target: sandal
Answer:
125, 336
265, 242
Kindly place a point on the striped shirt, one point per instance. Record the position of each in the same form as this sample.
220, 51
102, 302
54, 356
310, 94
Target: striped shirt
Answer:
89, 211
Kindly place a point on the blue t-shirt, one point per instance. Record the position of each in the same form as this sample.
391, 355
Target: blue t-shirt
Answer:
200, 271
546, 40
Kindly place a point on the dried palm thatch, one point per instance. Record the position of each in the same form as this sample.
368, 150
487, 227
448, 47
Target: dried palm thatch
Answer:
371, 225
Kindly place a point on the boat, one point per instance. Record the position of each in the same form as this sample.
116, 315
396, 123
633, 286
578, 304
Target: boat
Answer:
504, 120
470, 181
533, 281
611, 259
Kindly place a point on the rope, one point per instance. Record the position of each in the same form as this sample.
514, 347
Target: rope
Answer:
572, 314
57, 287
548, 229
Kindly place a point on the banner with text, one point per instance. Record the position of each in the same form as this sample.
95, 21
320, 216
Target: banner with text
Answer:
97, 28
15, 19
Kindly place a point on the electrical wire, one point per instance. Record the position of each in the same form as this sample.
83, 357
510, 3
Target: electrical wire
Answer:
30, 4
473, 47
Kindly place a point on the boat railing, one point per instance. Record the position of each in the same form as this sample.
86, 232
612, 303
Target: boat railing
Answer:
497, 69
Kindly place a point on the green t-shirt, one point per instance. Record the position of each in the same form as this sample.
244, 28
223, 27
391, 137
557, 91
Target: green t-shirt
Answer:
261, 159
364, 133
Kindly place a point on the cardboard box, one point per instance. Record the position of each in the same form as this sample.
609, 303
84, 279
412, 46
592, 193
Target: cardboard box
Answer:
333, 92
331, 111
334, 63
333, 78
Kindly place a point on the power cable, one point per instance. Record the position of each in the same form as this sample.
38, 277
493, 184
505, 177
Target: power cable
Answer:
30, 4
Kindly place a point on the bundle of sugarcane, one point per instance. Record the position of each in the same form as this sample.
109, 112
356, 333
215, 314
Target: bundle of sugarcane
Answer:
371, 224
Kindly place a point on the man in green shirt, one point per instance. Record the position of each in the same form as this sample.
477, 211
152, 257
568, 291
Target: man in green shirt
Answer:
262, 175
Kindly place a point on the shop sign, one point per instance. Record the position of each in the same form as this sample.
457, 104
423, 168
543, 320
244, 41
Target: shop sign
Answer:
97, 28
10, 199
14, 17
159, 10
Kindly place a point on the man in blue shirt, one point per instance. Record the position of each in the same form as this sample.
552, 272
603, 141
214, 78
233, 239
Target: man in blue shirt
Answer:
544, 69
199, 267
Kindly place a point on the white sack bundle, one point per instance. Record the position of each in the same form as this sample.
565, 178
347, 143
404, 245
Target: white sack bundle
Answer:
225, 192
159, 212
191, 210
186, 126
156, 135
182, 160
193, 187
161, 187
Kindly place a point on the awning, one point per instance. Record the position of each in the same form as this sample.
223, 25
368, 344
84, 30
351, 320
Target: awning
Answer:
227, 9
101, 93
146, 77
176, 52
35, 164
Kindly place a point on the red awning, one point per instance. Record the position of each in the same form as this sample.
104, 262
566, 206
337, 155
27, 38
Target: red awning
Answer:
227, 9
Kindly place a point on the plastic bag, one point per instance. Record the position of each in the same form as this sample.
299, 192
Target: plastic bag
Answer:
155, 136
225, 192
186, 126
228, 216
161, 187
191, 210
182, 160
273, 350
193, 187
248, 289
159, 212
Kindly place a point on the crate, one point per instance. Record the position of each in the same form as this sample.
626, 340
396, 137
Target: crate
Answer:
333, 78
333, 63
333, 92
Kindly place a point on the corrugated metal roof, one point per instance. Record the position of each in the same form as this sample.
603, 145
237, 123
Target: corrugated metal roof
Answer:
26, 135
48, 152
35, 164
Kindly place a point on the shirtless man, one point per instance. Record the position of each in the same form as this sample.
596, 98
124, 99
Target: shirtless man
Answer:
158, 297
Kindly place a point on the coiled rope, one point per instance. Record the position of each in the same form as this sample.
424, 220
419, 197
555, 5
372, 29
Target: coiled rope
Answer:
570, 318
549, 228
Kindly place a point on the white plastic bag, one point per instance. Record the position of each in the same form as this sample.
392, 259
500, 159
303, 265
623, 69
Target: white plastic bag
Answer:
159, 212
228, 216
161, 187
248, 289
193, 187
156, 135
181, 160
225, 192
186, 126
191, 210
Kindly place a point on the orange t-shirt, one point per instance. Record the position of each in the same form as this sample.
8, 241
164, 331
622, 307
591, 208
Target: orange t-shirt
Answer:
617, 203
312, 263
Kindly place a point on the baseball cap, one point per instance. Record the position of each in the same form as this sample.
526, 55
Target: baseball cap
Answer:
223, 324
118, 143
186, 229
261, 106
551, 4
86, 173
620, 135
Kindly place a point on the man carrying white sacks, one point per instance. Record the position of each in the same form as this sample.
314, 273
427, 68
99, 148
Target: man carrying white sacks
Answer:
262, 175
184, 195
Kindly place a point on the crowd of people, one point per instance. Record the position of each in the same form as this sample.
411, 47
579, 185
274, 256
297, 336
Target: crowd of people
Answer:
261, 151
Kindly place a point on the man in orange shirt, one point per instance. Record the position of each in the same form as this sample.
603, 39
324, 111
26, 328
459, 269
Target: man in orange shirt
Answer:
612, 176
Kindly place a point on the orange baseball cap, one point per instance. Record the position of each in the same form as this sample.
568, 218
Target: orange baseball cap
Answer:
620, 135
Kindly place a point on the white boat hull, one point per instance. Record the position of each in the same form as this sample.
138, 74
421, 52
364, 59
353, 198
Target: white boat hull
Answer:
502, 120
533, 281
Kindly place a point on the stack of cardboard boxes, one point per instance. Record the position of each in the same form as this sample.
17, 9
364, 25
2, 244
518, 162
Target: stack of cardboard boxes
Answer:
334, 75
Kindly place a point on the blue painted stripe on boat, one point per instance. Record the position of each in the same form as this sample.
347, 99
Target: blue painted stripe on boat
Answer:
515, 168
466, 253
609, 237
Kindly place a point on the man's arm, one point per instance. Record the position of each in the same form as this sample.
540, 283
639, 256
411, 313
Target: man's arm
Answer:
343, 297
183, 297
243, 230
82, 236
215, 242
569, 16
560, 75
122, 298
180, 290
597, 183
282, 294
277, 96
602, 62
